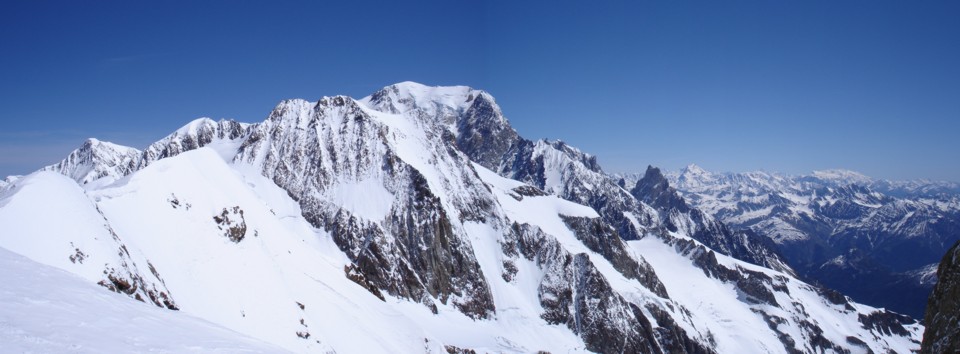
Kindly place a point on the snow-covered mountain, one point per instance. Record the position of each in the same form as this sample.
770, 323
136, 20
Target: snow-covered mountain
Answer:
417, 220
877, 241
99, 161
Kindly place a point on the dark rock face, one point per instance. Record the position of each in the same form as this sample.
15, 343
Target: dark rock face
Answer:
580, 180
574, 293
486, 137
126, 278
887, 323
527, 191
942, 319
484, 134
597, 303
354, 274
655, 190
231, 222
604, 240
757, 288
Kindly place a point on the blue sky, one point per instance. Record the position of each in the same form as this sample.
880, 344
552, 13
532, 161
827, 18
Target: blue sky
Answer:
872, 86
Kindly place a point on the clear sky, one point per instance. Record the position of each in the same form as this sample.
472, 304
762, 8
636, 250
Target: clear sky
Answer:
788, 86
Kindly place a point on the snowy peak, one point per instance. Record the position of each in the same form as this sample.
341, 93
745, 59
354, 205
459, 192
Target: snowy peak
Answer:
195, 126
693, 176
434, 100
460, 109
692, 170
196, 134
97, 159
417, 190
483, 133
655, 190
471, 116
93, 143
447, 95
839, 176
104, 162
560, 150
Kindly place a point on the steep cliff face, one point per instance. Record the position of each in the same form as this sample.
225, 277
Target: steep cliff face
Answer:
942, 319
405, 234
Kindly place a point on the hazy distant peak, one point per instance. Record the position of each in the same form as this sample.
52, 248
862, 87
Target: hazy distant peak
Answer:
694, 170
839, 175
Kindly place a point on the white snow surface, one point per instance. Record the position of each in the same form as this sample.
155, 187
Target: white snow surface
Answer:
48, 310
366, 198
736, 328
254, 287
49, 218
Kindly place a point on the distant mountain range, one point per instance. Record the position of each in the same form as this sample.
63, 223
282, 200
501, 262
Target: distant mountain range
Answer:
878, 241
418, 220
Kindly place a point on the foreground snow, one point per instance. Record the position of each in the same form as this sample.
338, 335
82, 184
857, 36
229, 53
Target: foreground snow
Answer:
48, 310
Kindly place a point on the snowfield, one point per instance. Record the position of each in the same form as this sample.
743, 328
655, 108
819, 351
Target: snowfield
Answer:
48, 310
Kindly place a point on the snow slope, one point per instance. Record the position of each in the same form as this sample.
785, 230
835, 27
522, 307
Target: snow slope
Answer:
49, 218
48, 310
740, 329
254, 286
